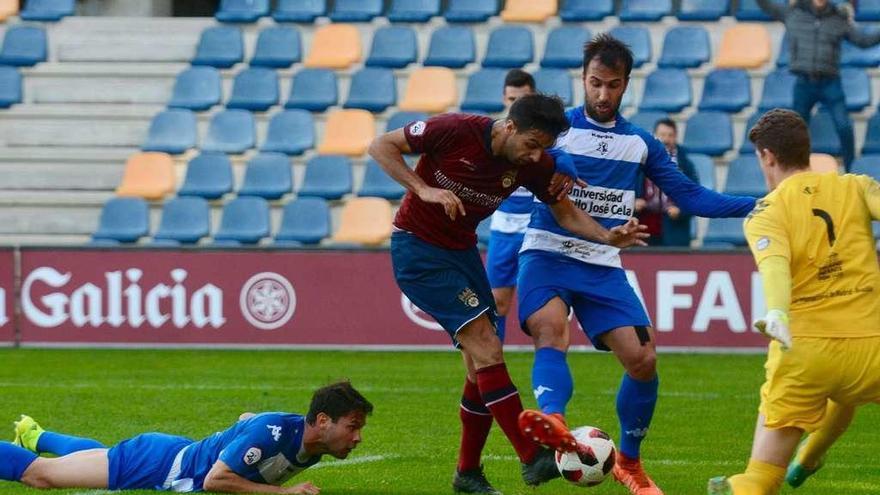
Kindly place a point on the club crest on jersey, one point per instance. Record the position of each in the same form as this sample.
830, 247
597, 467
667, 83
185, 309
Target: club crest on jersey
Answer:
417, 128
252, 456
508, 178
602, 148
469, 298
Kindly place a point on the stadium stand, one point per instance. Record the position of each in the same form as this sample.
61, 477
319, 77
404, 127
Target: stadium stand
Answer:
647, 119
197, 89
639, 40
709, 133
24, 46
703, 10
856, 88
872, 136
220, 47
528, 10
666, 90
245, 220
784, 54
748, 10
209, 175
747, 146
400, 119
314, 90
484, 89
304, 221
868, 11
242, 10
123, 220
10, 87
509, 47
255, 89
355, 10
853, 56
744, 46
8, 8
585, 10
348, 132
379, 184
413, 10
823, 134
555, 82
778, 90
470, 10
268, 175
685, 47
726, 90
565, 47
305, 11
328, 177
644, 10
47, 10
291, 132
334, 46
393, 47
172, 131
364, 221
705, 168
230, 131
148, 175
185, 220
373, 89
724, 232
451, 46
744, 177
277, 47
867, 165
430, 89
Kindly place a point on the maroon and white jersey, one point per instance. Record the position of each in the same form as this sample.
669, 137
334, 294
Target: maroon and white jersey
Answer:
457, 155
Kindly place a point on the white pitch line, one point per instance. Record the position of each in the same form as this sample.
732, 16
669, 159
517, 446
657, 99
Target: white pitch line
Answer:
357, 460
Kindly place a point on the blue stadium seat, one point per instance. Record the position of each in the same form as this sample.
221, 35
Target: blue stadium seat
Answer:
185, 220
726, 90
47, 10
647, 119
10, 87
299, 10
639, 41
685, 47
355, 10
667, 90
856, 88
400, 119
306, 220
172, 131
723, 232
373, 89
24, 46
255, 89
784, 57
484, 90
327, 176
378, 184
230, 131
277, 47
778, 90
267, 175
709, 133
291, 132
242, 10
394, 47
867, 165
705, 169
703, 10
470, 10
509, 47
220, 46
747, 146
565, 47
413, 10
868, 11
748, 10
245, 220
823, 134
208, 175
853, 56
451, 46
744, 177
586, 10
872, 136
313, 89
197, 88
644, 10
555, 82
123, 220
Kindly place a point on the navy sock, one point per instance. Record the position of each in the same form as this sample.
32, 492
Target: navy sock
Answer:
60, 445
14, 461
635, 407
551, 380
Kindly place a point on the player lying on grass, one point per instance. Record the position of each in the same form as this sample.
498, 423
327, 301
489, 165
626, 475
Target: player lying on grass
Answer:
812, 242
255, 455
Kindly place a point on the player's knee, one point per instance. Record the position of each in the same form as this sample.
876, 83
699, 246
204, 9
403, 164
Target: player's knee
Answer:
643, 367
549, 332
37, 477
502, 306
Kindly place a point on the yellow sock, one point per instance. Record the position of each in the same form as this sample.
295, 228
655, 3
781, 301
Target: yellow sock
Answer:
760, 478
836, 421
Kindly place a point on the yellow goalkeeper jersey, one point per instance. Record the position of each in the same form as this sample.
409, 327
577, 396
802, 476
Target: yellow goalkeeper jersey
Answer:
821, 223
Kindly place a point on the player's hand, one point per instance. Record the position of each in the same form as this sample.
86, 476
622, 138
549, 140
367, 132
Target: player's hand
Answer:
629, 234
673, 212
775, 326
306, 488
451, 203
561, 184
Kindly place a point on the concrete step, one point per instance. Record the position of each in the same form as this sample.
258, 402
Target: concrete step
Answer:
59, 177
65, 154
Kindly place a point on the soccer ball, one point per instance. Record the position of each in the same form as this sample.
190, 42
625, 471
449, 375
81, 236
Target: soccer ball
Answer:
593, 460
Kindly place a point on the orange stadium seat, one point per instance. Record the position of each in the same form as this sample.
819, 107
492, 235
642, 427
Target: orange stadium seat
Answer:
348, 132
744, 46
823, 163
148, 175
334, 46
528, 10
8, 8
430, 89
364, 221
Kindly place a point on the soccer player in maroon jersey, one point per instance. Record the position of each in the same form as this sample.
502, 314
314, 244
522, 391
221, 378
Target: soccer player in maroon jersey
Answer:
469, 164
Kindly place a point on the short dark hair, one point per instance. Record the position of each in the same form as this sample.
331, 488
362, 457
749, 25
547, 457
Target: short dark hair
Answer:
337, 400
784, 133
519, 78
538, 111
667, 122
611, 51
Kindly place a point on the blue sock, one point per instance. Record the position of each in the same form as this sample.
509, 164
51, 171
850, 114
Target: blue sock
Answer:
551, 380
14, 461
501, 327
60, 445
635, 407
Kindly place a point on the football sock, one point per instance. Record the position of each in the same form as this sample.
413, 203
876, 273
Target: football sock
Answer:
501, 327
14, 461
501, 397
635, 407
760, 478
476, 421
836, 421
61, 445
551, 380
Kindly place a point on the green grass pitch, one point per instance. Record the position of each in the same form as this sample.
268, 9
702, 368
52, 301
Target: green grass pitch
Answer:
702, 426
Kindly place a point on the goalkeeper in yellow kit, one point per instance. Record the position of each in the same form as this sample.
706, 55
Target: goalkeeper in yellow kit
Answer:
812, 241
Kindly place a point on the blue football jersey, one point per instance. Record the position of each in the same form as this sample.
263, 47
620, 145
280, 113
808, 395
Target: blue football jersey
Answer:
513, 216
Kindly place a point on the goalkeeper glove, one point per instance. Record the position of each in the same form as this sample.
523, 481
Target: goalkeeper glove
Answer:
775, 326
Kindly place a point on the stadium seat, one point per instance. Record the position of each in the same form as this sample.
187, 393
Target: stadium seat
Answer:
744, 177
327, 176
705, 169
197, 89
47, 10
378, 184
723, 232
355, 10
822, 163
856, 88
348, 132
784, 56
868, 11
586, 10
709, 133
394, 47
172, 131
647, 119
644, 10
639, 41
304, 11
208, 175
872, 136
470, 10
744, 46
703, 10
8, 8
867, 165
413, 10
10, 87
334, 46
306, 220
401, 119
555, 82
430, 89
185, 220
726, 90
254, 89
509, 47
565, 47
245, 220
451, 46
853, 56
147, 175
313, 89
484, 90
748, 10
667, 90
230, 131
242, 10
685, 47
291, 132
364, 221
823, 133
23, 46
123, 220
528, 10
628, 100
268, 175
277, 47
747, 146
778, 90
220, 46
373, 89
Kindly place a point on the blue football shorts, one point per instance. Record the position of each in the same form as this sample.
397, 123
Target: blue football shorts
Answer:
502, 259
143, 462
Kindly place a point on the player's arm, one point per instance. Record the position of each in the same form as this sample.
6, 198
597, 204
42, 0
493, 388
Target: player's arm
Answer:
573, 219
221, 478
768, 241
871, 193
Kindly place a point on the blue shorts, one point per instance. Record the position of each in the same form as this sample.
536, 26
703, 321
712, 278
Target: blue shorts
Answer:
502, 260
143, 462
601, 296
448, 284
